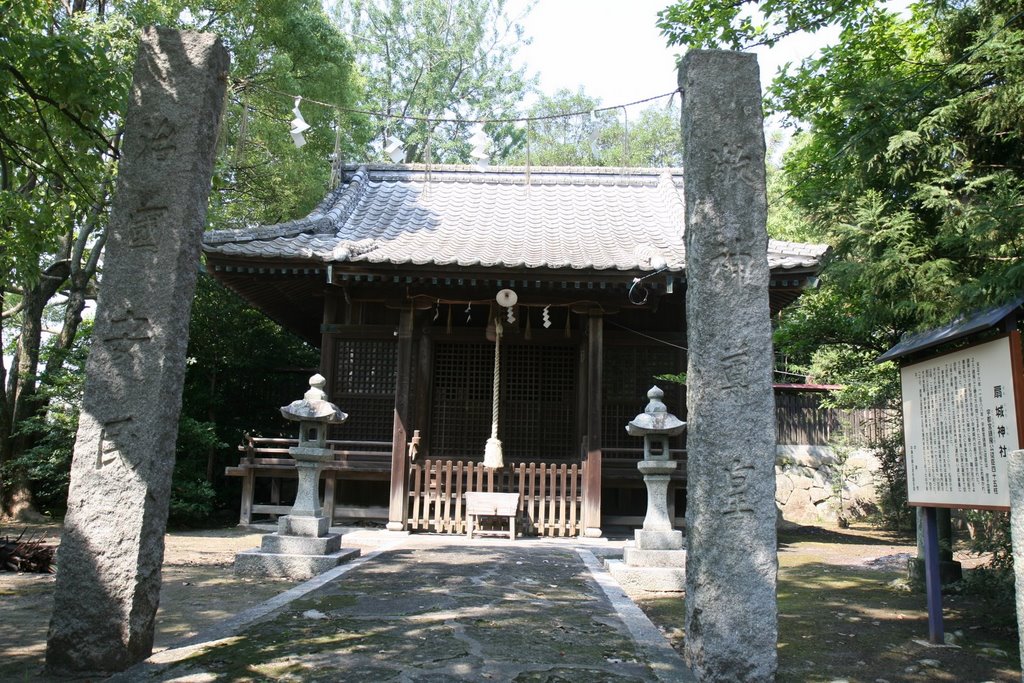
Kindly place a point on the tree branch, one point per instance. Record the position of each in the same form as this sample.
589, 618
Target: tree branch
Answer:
13, 311
39, 97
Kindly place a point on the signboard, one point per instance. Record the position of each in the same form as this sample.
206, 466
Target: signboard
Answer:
962, 418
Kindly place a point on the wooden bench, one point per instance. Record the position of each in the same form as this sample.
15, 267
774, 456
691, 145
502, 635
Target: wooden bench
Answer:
491, 505
268, 457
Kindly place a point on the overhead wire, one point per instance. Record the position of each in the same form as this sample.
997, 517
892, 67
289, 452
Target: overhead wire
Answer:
444, 119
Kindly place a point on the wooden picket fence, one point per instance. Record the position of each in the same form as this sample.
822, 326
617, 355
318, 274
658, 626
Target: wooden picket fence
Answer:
550, 495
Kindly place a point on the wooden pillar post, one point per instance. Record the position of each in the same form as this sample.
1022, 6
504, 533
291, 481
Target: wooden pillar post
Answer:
327, 352
592, 483
399, 503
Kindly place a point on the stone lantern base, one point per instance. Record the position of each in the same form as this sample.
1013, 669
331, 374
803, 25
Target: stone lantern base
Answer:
286, 554
655, 563
302, 546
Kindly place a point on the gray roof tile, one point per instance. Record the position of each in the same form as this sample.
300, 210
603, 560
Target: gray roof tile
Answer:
593, 219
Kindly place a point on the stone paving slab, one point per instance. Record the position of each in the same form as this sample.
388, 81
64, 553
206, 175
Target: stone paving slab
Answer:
438, 609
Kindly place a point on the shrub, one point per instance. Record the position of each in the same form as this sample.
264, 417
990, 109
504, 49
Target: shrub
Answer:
891, 483
193, 498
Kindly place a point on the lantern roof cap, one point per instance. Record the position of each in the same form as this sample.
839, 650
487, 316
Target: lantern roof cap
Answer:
314, 406
655, 419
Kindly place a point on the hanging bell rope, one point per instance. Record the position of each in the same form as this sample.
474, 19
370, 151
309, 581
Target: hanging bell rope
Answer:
493, 457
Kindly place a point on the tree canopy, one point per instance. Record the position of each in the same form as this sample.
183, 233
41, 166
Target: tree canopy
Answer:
65, 70
436, 65
908, 162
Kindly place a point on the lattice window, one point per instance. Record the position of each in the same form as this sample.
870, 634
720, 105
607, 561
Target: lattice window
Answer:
365, 372
629, 371
460, 414
537, 401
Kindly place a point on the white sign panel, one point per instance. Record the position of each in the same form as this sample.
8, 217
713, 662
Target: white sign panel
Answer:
960, 421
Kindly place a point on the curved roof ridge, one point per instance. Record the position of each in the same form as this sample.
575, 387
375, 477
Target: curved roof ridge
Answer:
324, 219
808, 248
518, 174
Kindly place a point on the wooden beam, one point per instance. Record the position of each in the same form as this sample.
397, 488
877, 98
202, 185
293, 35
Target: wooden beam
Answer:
592, 484
424, 390
399, 502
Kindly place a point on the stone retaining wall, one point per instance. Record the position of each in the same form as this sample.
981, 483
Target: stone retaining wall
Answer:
804, 477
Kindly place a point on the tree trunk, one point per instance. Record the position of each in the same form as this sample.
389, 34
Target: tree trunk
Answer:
23, 394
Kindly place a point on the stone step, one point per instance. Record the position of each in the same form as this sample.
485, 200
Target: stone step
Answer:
659, 540
301, 545
649, 579
638, 557
257, 563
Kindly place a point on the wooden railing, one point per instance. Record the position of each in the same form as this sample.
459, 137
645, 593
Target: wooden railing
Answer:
268, 458
550, 495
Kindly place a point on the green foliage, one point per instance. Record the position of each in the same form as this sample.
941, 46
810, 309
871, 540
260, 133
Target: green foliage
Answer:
47, 464
891, 483
233, 383
747, 23
990, 534
841, 472
193, 499
434, 59
673, 378
233, 352
279, 48
909, 167
65, 72
910, 170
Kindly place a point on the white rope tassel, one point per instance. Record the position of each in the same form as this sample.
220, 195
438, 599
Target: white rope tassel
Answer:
493, 457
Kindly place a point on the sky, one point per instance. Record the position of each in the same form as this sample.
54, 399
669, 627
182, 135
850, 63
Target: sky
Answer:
614, 49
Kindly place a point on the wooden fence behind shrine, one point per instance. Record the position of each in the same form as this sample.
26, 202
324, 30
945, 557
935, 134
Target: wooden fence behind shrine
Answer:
550, 495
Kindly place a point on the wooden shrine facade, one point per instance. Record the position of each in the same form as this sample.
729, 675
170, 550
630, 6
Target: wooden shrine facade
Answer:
394, 277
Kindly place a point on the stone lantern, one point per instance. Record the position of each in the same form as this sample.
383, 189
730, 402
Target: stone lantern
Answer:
302, 546
314, 413
656, 425
656, 561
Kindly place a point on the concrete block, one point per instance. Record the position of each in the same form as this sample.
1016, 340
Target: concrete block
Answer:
638, 557
648, 579
301, 545
659, 540
256, 563
291, 525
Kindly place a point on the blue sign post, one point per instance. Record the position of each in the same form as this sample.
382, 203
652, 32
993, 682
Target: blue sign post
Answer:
932, 581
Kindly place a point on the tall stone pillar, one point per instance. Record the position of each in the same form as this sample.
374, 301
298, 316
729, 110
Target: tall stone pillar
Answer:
731, 568
1015, 476
111, 551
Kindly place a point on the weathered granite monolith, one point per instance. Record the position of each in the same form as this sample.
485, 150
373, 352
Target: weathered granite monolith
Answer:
1015, 475
112, 547
731, 568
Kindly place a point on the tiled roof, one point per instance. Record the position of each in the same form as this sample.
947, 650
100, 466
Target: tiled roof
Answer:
593, 219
